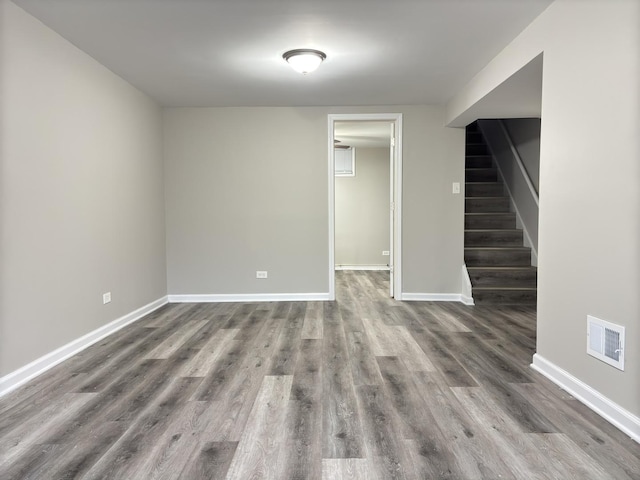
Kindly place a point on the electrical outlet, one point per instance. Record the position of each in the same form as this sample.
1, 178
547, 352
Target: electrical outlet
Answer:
385, 253
106, 298
261, 274
456, 187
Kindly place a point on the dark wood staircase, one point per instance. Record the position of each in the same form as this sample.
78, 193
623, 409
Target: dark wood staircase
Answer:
498, 263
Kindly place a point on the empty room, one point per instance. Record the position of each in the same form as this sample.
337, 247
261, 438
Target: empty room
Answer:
311, 239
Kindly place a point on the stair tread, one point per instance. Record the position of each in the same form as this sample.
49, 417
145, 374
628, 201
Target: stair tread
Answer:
491, 214
482, 190
529, 289
493, 267
493, 230
498, 248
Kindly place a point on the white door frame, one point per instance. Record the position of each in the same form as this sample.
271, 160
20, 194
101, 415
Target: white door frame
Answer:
396, 119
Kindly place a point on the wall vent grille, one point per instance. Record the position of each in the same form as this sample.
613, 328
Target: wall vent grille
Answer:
605, 341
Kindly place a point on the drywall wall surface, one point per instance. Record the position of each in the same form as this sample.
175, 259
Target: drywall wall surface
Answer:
521, 196
589, 229
589, 190
81, 194
247, 190
362, 210
433, 217
525, 134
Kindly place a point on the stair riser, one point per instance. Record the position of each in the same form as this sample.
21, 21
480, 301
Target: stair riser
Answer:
495, 238
486, 205
507, 220
479, 149
478, 162
474, 137
502, 278
481, 175
506, 297
497, 258
483, 189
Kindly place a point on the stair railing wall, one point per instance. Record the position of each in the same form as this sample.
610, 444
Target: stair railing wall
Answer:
518, 159
524, 198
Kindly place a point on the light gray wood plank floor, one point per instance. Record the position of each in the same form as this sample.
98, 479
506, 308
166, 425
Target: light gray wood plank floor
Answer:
361, 388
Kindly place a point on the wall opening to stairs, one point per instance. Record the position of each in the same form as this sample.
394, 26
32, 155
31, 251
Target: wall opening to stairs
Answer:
498, 261
515, 147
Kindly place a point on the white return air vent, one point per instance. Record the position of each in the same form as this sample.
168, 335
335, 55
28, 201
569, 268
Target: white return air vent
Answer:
605, 341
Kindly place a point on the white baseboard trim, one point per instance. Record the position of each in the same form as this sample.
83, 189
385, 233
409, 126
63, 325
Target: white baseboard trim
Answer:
21, 376
362, 267
603, 406
467, 289
250, 297
432, 297
467, 300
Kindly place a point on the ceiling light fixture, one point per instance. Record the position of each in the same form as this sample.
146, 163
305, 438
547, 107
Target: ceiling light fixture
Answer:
304, 60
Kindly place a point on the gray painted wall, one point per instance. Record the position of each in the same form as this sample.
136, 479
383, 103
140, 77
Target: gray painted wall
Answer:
362, 210
247, 190
589, 195
521, 196
81, 194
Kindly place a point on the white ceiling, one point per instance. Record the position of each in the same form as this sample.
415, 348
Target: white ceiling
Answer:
373, 134
229, 52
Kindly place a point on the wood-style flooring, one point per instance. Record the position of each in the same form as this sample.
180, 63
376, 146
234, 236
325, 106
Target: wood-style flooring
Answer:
361, 388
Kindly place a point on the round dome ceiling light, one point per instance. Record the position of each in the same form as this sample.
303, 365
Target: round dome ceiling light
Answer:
304, 60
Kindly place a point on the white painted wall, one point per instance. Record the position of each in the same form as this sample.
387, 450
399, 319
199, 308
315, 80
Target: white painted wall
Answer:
362, 210
81, 193
589, 237
247, 190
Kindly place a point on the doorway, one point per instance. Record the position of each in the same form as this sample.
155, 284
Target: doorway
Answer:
355, 128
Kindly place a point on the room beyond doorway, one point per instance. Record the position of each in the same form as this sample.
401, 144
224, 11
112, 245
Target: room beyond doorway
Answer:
365, 211
362, 195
